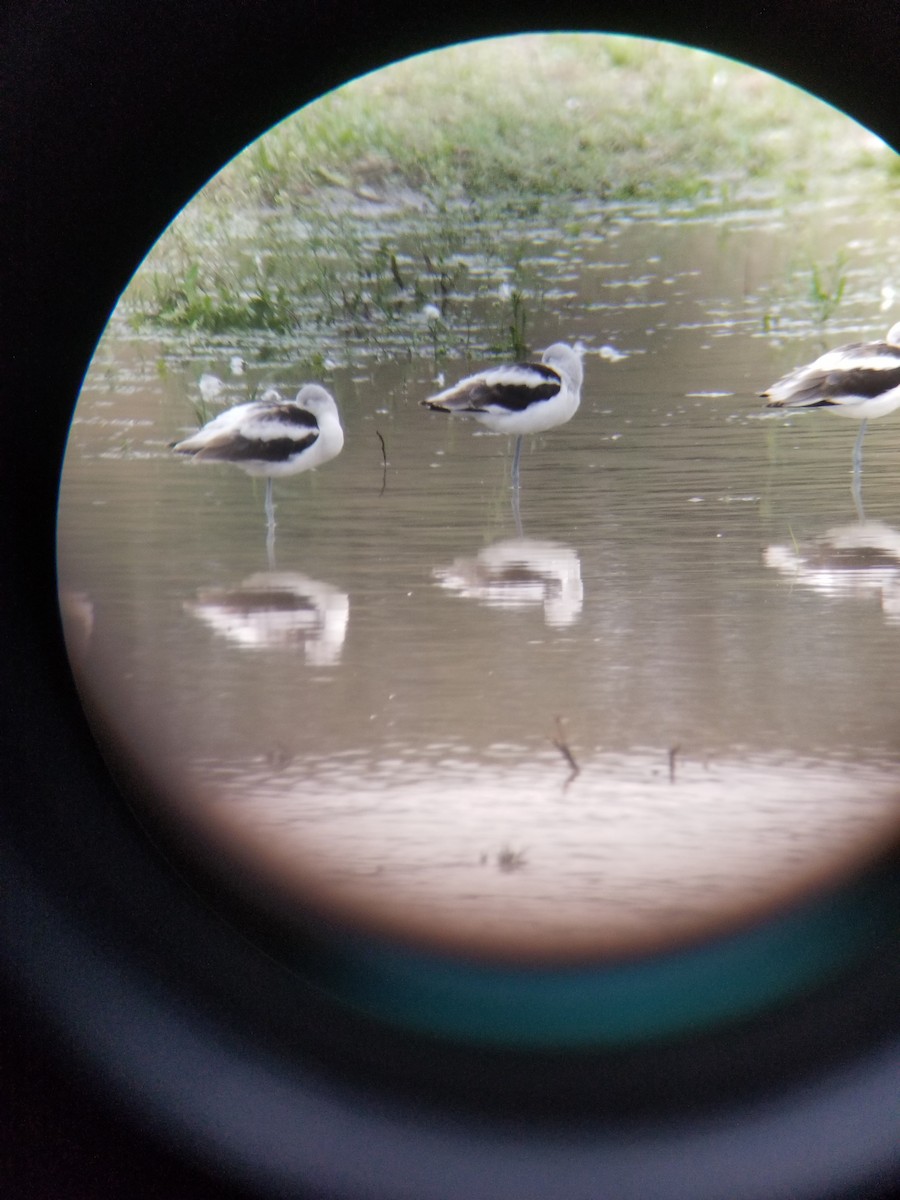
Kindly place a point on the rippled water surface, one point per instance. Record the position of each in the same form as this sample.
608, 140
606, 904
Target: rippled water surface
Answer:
662, 694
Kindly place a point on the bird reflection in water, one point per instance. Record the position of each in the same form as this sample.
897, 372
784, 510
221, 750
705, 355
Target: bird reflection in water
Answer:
278, 610
521, 573
861, 559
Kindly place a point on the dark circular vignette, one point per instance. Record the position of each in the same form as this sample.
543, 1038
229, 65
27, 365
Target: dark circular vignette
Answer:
115, 116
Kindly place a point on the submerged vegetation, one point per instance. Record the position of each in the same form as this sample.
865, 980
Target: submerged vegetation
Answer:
398, 201
827, 286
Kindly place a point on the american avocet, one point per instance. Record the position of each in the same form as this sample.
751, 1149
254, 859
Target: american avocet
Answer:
520, 398
271, 437
861, 380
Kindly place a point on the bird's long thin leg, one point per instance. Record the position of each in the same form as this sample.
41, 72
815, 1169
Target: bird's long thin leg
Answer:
856, 485
857, 449
270, 525
270, 505
516, 457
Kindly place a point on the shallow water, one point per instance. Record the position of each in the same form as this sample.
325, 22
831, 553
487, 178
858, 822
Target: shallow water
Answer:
660, 695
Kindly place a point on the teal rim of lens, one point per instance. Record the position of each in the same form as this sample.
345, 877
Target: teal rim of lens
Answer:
615, 1005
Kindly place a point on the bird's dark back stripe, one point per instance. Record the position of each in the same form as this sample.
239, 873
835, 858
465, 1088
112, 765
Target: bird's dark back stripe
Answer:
537, 368
290, 414
853, 558
830, 386
240, 449
515, 397
876, 349
248, 603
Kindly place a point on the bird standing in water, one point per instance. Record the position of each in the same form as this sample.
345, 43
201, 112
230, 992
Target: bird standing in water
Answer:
520, 398
860, 380
271, 437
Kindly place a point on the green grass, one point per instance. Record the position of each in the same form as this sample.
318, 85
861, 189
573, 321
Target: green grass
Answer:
826, 286
469, 144
545, 115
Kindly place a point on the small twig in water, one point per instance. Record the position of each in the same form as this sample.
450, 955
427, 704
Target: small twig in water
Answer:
510, 860
384, 462
563, 747
673, 754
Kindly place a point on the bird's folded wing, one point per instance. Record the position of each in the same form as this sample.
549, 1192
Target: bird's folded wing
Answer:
503, 389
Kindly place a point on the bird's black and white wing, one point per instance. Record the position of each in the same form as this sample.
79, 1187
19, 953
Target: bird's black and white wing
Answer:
499, 390
259, 432
848, 375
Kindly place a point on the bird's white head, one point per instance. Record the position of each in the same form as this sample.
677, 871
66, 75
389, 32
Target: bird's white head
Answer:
893, 335
316, 399
566, 361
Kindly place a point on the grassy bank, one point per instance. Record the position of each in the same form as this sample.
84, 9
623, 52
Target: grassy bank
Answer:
375, 200
618, 118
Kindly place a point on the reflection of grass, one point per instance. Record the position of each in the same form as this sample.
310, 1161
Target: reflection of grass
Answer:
826, 286
411, 277
518, 319
339, 270
202, 411
813, 288
511, 860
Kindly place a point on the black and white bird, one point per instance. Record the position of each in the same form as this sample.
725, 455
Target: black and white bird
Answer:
861, 380
520, 398
271, 437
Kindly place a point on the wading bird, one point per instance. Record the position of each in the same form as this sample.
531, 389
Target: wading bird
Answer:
271, 437
861, 380
520, 398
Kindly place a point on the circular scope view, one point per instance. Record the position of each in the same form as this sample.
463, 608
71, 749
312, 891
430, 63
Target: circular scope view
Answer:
455, 529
